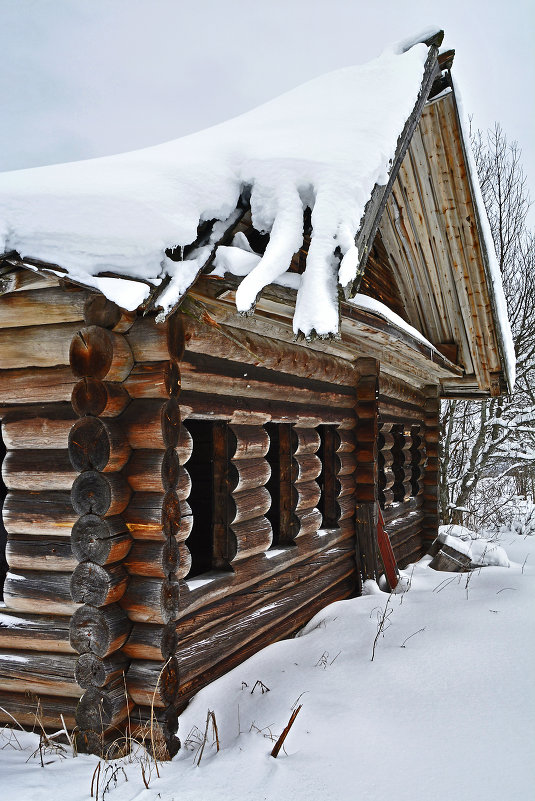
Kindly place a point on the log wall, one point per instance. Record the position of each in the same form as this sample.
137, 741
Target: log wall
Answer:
402, 454
37, 661
102, 494
228, 387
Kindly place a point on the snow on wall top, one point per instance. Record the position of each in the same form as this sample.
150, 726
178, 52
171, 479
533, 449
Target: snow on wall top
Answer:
323, 145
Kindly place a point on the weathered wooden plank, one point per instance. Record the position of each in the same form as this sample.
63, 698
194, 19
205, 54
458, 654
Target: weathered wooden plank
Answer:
41, 513
32, 712
35, 427
36, 470
30, 552
194, 676
42, 307
27, 632
39, 592
39, 672
33, 384
35, 346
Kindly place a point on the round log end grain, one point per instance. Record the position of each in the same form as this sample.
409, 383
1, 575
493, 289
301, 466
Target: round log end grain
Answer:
98, 310
99, 494
90, 396
96, 585
98, 631
91, 352
89, 444
169, 600
171, 513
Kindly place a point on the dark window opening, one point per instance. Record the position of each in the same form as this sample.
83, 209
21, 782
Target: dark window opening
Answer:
398, 466
3, 532
328, 480
200, 466
279, 486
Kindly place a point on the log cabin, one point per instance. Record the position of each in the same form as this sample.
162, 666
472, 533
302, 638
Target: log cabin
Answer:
184, 481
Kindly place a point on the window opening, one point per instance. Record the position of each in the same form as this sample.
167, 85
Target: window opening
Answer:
200, 466
279, 486
3, 532
327, 479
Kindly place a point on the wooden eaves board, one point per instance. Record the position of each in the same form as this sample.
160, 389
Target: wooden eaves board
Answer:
431, 235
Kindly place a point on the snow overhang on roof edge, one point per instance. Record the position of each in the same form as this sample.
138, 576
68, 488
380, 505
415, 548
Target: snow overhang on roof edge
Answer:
110, 223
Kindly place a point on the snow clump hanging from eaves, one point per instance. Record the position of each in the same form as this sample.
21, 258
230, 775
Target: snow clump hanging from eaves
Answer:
323, 145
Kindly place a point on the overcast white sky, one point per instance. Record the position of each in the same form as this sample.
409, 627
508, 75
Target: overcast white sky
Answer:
82, 78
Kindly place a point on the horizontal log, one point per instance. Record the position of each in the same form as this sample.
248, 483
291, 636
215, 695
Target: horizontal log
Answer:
96, 352
100, 540
103, 494
30, 552
344, 440
146, 717
152, 424
21, 279
401, 510
40, 513
216, 647
96, 444
144, 517
346, 485
36, 470
247, 442
35, 384
400, 390
305, 467
98, 310
154, 470
251, 537
144, 641
248, 505
247, 474
99, 631
151, 341
48, 711
305, 440
97, 585
46, 673
42, 307
28, 632
45, 426
92, 671
256, 411
36, 346
346, 506
305, 495
157, 559
151, 600
153, 380
152, 642
39, 592
243, 346
99, 398
101, 710
346, 464
201, 373
154, 683
309, 521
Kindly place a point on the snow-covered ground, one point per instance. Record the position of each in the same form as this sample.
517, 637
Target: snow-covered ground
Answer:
446, 710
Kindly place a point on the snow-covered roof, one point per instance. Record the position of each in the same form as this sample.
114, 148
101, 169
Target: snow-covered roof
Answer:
324, 145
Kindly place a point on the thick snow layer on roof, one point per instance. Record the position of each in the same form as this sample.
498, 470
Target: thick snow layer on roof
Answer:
323, 145
495, 277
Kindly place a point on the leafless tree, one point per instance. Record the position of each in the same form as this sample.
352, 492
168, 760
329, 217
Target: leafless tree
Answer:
488, 447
